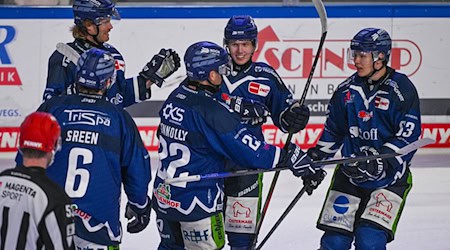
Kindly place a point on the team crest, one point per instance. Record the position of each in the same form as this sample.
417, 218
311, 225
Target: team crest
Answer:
381, 103
364, 115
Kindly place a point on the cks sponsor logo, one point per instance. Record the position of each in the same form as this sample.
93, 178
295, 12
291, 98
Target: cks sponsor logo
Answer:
8, 72
172, 113
292, 59
86, 117
258, 89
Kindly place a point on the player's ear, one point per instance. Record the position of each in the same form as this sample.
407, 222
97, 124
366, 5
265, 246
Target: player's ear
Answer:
211, 75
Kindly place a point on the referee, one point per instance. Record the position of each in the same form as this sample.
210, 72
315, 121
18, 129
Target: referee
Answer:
35, 213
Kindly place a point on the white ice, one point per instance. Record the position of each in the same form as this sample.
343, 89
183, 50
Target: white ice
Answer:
425, 222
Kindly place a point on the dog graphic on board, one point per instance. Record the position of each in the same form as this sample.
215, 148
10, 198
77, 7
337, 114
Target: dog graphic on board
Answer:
238, 209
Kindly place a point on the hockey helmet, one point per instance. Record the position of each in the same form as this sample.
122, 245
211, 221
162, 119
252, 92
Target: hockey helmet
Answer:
241, 28
372, 40
40, 131
94, 68
203, 57
94, 10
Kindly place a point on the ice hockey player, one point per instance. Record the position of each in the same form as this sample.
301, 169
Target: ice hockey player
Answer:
255, 82
375, 111
91, 30
36, 212
196, 134
101, 150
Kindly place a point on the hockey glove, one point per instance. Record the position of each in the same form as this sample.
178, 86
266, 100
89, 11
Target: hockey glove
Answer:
295, 118
251, 111
298, 161
312, 182
362, 171
162, 65
138, 218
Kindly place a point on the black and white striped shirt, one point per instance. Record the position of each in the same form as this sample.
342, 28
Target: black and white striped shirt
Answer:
35, 213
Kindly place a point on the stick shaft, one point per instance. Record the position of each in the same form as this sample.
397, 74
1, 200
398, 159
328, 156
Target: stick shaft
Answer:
405, 150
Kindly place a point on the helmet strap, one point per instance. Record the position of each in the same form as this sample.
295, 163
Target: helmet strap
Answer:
384, 64
238, 68
96, 35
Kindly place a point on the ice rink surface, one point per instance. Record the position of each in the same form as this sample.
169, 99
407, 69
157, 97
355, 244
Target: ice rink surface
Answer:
425, 223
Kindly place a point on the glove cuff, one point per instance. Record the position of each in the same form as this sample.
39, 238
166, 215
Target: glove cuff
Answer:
282, 122
144, 92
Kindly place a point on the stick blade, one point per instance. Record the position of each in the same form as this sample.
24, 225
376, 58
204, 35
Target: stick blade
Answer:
415, 145
320, 8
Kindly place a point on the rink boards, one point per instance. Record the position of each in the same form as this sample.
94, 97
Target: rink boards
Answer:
288, 40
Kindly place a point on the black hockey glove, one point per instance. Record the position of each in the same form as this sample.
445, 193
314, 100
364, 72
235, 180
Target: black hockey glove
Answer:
295, 118
312, 182
362, 171
162, 65
138, 218
298, 161
251, 111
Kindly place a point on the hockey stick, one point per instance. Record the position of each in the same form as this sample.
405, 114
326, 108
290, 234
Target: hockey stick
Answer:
318, 4
285, 213
68, 52
405, 150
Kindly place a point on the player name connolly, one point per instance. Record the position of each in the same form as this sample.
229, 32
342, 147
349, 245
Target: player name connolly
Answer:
174, 133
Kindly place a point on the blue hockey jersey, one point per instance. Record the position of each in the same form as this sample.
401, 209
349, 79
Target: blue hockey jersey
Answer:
260, 82
101, 148
62, 74
386, 118
197, 134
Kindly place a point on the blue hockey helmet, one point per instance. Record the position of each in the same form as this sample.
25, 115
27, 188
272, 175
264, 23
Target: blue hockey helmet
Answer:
94, 10
94, 68
241, 28
203, 57
372, 40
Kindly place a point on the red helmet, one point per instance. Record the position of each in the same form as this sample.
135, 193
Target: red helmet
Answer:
40, 131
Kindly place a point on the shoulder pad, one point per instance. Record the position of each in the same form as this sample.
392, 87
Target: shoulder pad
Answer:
347, 82
261, 68
217, 115
68, 51
401, 86
110, 48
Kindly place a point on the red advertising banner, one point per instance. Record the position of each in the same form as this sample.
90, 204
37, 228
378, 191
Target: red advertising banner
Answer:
9, 137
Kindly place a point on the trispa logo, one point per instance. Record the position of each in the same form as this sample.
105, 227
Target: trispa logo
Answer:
8, 73
87, 117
